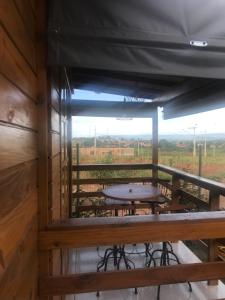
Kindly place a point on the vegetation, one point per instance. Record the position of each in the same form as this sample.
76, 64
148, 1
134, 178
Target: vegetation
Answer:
174, 153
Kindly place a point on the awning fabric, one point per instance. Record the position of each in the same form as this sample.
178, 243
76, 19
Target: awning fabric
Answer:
164, 37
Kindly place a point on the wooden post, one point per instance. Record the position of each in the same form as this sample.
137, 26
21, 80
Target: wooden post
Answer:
78, 177
175, 189
214, 199
155, 144
70, 152
43, 138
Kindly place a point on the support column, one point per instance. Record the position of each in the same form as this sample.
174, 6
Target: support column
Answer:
155, 144
214, 201
43, 138
70, 153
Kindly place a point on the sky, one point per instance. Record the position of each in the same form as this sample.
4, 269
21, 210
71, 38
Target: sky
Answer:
208, 122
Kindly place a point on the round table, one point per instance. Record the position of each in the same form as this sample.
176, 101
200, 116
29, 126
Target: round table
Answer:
134, 192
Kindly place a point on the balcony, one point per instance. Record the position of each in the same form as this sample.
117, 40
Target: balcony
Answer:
204, 224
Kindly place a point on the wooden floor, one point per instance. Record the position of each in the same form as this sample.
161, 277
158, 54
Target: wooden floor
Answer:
85, 260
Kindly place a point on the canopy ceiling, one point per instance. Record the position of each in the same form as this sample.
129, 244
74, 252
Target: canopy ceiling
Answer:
143, 48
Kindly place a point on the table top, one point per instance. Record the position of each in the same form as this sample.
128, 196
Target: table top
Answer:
134, 192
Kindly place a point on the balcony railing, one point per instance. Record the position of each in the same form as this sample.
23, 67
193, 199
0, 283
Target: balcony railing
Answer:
174, 186
102, 231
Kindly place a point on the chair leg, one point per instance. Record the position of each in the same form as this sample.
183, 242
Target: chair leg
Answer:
158, 292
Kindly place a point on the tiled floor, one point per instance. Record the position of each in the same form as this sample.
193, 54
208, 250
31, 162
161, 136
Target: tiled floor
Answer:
85, 260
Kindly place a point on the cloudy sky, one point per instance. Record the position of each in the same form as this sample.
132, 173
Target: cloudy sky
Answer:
210, 122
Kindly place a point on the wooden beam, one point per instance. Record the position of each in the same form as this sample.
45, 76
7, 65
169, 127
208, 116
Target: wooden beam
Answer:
214, 204
43, 166
111, 180
113, 167
70, 157
114, 206
155, 144
87, 194
133, 229
101, 281
98, 108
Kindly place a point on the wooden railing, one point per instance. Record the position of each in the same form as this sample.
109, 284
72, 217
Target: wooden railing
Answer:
174, 185
76, 233
215, 189
87, 232
78, 182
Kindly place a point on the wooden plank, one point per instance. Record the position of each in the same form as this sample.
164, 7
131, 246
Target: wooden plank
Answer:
175, 189
16, 107
133, 229
34, 6
15, 225
55, 144
113, 167
56, 262
55, 98
23, 38
19, 146
55, 189
197, 180
101, 281
87, 194
16, 184
70, 161
25, 10
214, 204
20, 278
43, 134
14, 67
114, 206
111, 180
55, 120
155, 144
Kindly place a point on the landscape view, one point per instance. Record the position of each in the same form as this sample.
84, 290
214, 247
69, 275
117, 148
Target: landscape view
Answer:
193, 144
174, 150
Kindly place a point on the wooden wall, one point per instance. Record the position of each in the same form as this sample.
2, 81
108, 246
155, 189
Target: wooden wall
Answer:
18, 151
58, 162
33, 149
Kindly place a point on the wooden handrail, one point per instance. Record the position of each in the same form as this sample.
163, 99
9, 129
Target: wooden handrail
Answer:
92, 282
111, 167
76, 233
197, 180
111, 180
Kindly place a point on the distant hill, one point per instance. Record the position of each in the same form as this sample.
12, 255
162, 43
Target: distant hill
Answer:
172, 137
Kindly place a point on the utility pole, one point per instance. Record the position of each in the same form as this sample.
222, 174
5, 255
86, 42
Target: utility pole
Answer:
138, 149
200, 167
194, 139
214, 150
95, 142
205, 146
